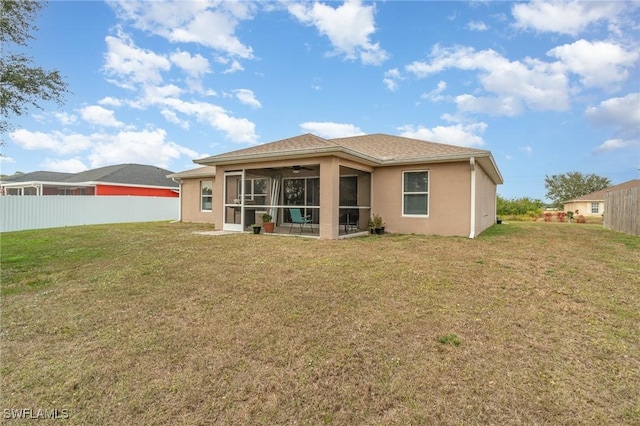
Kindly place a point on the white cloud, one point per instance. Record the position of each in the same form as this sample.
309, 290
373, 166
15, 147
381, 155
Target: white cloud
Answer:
100, 116
239, 130
247, 97
391, 79
491, 105
621, 113
195, 66
172, 117
109, 101
55, 141
234, 67
132, 65
348, 27
539, 85
65, 118
330, 130
71, 165
436, 94
477, 26
5, 159
564, 17
211, 24
146, 147
600, 64
615, 144
460, 134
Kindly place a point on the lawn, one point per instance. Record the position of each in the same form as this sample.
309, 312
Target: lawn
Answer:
530, 323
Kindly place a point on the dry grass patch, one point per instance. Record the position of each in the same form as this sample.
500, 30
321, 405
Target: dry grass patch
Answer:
535, 323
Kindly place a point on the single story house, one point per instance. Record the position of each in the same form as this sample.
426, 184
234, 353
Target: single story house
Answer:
414, 185
592, 204
121, 179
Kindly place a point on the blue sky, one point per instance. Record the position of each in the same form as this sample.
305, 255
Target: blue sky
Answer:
547, 87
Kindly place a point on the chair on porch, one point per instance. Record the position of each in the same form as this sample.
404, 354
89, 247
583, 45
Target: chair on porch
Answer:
350, 219
296, 217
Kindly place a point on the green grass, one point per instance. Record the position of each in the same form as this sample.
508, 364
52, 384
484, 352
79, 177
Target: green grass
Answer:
530, 323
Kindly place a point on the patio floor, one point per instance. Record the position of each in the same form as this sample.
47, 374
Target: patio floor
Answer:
306, 231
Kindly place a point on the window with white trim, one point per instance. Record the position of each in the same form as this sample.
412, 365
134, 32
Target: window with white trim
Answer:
415, 193
594, 207
206, 195
255, 191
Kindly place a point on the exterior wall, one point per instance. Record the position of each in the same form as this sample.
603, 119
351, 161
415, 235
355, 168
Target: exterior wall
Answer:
449, 199
584, 207
486, 192
190, 203
134, 190
329, 197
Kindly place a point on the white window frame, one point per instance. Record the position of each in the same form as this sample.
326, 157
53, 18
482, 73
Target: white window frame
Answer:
250, 194
203, 196
595, 208
427, 192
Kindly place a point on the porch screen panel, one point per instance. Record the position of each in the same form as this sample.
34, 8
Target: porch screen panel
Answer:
302, 192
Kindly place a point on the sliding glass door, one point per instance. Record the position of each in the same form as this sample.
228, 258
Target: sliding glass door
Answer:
303, 193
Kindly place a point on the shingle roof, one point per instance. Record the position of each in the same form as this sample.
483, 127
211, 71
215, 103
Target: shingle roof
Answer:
132, 174
285, 146
600, 195
204, 171
375, 150
377, 147
38, 177
387, 147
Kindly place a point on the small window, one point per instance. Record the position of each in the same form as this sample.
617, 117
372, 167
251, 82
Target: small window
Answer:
255, 191
415, 193
206, 197
594, 207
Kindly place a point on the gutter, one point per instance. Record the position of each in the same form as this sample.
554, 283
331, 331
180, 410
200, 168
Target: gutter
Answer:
472, 224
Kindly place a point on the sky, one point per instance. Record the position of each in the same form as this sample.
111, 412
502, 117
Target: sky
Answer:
547, 87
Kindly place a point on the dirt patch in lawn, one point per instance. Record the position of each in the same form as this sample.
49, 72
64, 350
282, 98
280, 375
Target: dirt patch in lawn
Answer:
534, 323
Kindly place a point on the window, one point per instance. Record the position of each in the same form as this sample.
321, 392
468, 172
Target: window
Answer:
206, 198
255, 191
415, 193
594, 207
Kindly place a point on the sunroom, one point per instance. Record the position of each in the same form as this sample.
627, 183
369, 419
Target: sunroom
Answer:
334, 198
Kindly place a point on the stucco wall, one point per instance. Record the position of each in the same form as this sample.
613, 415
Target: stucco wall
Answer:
190, 203
485, 201
584, 208
449, 199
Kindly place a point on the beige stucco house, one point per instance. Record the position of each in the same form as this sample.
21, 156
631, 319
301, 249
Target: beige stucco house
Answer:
416, 186
592, 204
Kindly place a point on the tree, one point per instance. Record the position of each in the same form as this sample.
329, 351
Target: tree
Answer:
571, 185
518, 206
22, 83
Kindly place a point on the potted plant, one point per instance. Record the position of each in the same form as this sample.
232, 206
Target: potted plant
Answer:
376, 224
256, 228
266, 222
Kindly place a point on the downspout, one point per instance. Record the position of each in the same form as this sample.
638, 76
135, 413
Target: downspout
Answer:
179, 182
472, 224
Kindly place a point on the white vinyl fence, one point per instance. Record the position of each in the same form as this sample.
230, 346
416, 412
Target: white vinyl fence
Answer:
19, 213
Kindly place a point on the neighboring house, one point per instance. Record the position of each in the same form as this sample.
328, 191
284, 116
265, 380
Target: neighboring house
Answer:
416, 186
122, 179
593, 204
